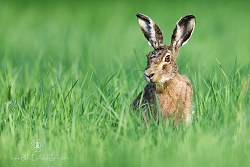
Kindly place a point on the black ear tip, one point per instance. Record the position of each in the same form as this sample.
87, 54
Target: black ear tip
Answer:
186, 18
189, 17
139, 15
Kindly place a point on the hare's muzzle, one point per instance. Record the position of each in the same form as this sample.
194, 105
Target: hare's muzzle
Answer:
149, 77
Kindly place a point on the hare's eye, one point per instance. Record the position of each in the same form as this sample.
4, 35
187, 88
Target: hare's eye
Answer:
167, 58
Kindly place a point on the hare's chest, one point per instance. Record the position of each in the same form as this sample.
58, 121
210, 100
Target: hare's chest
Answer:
175, 100
167, 102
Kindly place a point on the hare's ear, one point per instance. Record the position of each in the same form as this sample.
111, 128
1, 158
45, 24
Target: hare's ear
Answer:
183, 31
151, 30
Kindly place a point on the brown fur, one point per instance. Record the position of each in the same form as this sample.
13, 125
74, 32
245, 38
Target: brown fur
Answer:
171, 91
175, 98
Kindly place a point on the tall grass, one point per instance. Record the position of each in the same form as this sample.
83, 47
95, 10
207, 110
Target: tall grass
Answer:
69, 71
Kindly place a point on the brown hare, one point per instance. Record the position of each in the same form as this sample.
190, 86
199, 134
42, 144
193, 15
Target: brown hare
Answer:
166, 90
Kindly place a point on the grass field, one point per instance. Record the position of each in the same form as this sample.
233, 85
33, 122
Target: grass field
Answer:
69, 71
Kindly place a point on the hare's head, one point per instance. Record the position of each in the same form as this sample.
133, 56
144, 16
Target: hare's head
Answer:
162, 65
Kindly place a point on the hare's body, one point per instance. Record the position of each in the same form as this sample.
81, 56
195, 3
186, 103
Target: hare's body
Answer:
167, 90
174, 98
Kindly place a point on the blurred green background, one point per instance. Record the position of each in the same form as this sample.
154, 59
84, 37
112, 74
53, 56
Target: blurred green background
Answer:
103, 33
69, 70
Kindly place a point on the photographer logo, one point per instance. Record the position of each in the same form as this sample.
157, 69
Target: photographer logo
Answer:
37, 145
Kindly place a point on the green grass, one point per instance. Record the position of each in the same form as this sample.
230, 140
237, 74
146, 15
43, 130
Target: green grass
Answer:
69, 71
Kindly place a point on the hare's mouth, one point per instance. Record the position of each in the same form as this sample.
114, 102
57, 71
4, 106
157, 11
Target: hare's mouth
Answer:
150, 80
149, 77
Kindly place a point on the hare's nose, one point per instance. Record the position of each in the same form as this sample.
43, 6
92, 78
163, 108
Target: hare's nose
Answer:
149, 75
